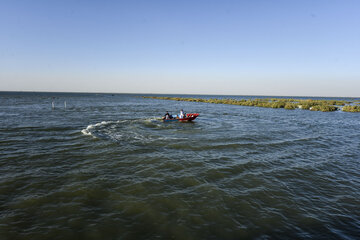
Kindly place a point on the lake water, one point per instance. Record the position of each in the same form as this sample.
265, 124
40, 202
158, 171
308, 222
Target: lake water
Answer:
106, 168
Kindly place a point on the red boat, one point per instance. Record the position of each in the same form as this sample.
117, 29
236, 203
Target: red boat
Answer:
189, 117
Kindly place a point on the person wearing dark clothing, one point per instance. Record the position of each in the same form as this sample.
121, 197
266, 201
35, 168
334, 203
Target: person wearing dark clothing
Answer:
167, 116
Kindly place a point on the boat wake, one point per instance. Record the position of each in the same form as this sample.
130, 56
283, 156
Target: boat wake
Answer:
90, 128
139, 131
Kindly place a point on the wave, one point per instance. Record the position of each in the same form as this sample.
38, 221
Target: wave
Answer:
87, 130
135, 131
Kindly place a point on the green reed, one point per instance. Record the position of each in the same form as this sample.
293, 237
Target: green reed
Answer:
289, 104
350, 108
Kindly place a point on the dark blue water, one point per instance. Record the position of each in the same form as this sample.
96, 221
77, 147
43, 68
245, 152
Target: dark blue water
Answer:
104, 167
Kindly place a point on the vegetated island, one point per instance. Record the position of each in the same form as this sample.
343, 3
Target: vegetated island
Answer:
290, 104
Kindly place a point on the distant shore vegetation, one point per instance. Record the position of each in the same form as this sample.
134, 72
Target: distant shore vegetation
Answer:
349, 108
286, 103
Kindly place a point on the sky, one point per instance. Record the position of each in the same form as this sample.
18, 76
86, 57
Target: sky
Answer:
254, 47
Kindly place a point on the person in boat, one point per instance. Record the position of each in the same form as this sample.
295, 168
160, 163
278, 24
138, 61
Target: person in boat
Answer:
182, 114
167, 116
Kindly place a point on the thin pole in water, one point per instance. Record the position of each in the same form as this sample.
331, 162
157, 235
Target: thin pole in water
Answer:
52, 103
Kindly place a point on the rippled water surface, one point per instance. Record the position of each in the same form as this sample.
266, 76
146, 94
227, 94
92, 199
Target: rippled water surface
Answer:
106, 168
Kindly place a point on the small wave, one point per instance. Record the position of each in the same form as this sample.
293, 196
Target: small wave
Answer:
87, 130
152, 119
5, 114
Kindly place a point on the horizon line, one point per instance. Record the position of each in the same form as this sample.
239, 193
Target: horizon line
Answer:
201, 94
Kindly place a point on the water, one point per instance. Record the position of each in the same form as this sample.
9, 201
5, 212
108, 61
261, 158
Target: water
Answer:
106, 168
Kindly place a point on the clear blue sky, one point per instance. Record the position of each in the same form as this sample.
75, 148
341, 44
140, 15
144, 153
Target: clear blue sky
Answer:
259, 47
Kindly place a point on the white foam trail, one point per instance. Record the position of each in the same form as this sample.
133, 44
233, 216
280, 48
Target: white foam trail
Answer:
151, 119
87, 130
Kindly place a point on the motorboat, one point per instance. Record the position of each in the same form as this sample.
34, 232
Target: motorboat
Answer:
188, 118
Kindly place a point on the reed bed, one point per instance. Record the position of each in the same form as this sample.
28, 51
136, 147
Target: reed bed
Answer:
289, 104
351, 108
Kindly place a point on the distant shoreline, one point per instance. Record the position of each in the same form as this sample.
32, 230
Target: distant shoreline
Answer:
289, 104
181, 94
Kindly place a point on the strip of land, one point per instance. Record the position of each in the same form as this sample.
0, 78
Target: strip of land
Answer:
290, 104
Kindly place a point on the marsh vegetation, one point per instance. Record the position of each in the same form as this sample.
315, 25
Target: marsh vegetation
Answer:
351, 108
286, 103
